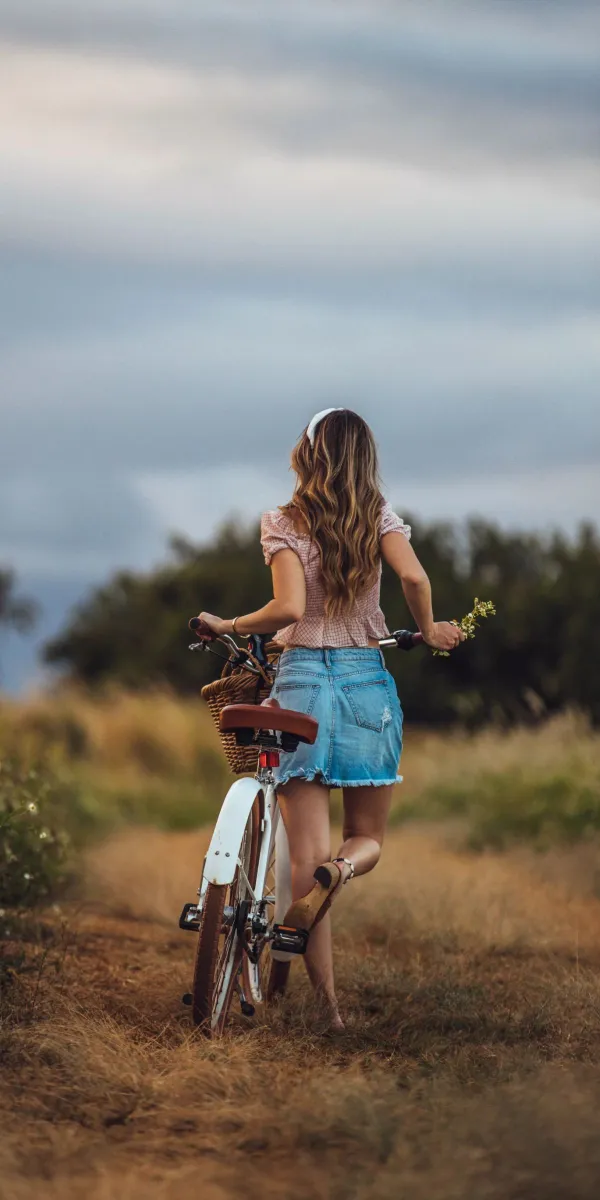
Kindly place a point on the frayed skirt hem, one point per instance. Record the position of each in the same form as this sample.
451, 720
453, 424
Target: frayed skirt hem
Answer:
310, 776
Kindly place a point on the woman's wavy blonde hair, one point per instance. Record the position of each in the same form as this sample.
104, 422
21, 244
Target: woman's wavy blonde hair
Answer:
339, 498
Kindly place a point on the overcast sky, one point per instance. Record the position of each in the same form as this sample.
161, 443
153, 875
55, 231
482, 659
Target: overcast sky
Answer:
219, 217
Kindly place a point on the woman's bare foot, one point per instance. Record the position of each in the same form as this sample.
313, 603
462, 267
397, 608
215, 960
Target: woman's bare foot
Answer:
327, 1013
335, 1021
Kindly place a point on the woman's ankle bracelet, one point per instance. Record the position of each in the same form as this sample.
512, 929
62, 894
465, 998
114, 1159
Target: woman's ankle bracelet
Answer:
348, 864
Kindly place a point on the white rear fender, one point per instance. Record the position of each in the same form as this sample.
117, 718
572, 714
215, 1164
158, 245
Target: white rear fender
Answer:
222, 854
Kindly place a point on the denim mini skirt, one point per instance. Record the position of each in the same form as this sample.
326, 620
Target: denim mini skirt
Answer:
353, 697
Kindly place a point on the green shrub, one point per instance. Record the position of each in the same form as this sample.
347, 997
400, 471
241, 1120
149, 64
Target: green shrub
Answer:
104, 807
500, 808
34, 845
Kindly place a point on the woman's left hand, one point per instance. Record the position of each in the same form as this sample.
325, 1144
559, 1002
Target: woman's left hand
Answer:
217, 624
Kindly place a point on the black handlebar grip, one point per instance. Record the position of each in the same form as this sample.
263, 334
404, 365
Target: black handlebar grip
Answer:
203, 631
406, 639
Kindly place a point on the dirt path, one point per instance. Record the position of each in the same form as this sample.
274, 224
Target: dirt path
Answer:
470, 1066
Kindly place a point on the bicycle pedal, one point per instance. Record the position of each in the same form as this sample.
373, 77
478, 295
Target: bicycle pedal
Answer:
290, 939
190, 917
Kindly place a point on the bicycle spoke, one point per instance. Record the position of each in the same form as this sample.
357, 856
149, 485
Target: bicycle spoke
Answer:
249, 887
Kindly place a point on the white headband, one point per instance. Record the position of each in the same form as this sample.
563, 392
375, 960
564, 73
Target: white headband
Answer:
310, 432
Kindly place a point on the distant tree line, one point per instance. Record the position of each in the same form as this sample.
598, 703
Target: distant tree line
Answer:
16, 611
539, 654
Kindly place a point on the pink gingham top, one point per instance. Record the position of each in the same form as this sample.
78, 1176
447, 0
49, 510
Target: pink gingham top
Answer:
352, 628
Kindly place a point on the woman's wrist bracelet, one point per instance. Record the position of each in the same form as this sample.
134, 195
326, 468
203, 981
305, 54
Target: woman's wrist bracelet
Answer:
233, 628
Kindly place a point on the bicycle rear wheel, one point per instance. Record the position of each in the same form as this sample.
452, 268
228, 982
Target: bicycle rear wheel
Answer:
219, 952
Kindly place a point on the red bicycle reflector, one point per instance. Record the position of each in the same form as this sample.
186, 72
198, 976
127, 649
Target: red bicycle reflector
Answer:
268, 758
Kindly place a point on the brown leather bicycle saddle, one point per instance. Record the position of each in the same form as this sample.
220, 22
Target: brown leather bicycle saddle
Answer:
268, 716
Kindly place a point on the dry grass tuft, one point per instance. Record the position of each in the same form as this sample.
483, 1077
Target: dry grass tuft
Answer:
145, 873
431, 759
152, 732
427, 890
422, 888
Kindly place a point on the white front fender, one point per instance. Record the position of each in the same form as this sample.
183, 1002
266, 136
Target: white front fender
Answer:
222, 854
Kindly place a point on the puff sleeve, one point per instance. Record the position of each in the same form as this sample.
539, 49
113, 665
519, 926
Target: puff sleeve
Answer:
390, 523
276, 533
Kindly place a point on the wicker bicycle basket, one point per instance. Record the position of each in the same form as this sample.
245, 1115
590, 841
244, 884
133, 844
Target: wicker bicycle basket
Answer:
237, 685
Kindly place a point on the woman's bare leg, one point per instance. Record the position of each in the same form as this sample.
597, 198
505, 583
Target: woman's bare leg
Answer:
305, 811
366, 810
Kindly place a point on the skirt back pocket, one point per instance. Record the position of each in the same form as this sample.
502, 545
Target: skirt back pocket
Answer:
370, 703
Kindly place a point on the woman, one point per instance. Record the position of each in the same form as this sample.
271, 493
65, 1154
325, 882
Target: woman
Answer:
325, 549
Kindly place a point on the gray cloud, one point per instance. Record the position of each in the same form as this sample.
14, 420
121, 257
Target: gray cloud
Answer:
64, 520
510, 81
135, 402
220, 218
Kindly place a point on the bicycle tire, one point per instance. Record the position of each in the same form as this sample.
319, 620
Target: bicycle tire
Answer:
210, 954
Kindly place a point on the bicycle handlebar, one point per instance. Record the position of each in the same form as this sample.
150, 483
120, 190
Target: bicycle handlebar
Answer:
404, 639
202, 629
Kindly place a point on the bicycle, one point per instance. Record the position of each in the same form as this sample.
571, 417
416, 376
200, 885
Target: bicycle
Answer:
245, 887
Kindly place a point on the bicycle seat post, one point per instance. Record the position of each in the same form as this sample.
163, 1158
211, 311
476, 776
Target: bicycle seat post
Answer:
267, 760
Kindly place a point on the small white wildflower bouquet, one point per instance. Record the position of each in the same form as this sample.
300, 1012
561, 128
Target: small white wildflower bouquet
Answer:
481, 608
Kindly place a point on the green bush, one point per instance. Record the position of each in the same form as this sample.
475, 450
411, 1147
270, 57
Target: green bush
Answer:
503, 808
34, 845
104, 807
519, 666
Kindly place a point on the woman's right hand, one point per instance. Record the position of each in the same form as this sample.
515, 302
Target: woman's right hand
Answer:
443, 635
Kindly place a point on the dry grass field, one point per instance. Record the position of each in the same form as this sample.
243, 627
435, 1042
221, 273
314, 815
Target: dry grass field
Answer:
469, 1069
155, 759
468, 967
